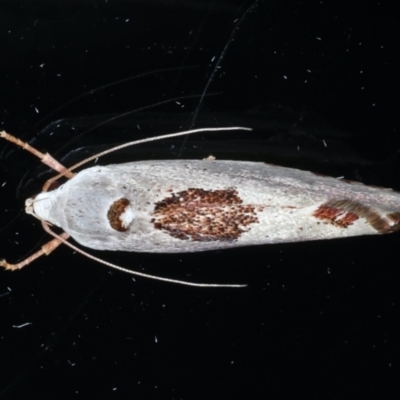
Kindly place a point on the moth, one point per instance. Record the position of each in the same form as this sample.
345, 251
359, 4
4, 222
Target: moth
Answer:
178, 206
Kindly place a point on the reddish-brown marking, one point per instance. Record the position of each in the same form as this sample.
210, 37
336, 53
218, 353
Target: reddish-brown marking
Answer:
114, 212
348, 219
204, 215
336, 214
327, 212
395, 217
343, 213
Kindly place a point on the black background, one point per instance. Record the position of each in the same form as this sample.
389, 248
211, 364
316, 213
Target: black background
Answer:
317, 319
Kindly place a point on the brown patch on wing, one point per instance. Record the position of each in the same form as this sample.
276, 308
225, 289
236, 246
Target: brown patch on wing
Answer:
395, 218
114, 213
343, 213
204, 215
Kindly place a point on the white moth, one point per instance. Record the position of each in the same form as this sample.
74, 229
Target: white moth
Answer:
177, 206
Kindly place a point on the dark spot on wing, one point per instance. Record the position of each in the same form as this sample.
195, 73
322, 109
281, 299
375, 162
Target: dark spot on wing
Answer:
343, 213
204, 215
114, 213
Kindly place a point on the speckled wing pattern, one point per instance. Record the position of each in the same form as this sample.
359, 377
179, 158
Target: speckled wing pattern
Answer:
188, 206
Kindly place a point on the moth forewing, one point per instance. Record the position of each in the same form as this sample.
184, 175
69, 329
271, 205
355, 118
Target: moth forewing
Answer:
42, 206
175, 206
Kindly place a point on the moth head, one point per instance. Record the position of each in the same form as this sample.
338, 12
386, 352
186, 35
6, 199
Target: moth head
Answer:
29, 206
37, 206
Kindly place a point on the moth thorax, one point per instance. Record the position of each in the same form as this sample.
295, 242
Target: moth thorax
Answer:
120, 215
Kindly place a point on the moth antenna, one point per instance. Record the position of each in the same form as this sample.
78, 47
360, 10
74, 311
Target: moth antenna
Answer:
128, 271
45, 158
140, 141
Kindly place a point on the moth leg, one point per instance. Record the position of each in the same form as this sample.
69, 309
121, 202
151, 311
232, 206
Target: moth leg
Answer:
46, 158
45, 250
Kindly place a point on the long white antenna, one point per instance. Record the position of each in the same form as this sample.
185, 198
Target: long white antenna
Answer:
128, 271
140, 141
